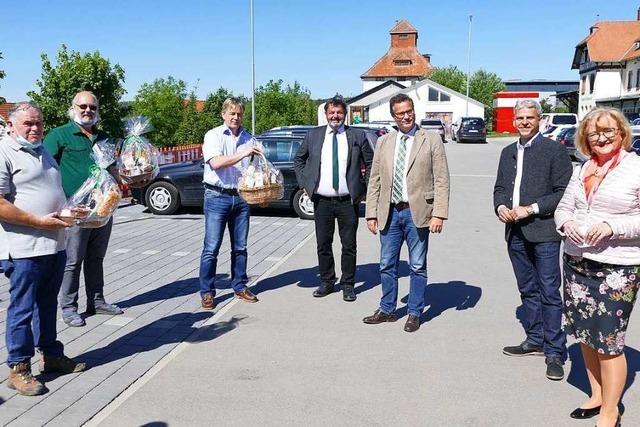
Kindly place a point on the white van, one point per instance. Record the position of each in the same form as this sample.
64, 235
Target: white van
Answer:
558, 120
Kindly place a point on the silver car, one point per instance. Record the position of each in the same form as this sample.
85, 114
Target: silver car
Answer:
435, 125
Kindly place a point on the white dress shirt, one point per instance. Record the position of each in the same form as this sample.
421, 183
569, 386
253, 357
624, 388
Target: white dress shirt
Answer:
325, 186
411, 135
220, 141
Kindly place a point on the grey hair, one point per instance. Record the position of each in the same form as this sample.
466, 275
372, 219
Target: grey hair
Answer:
22, 106
528, 103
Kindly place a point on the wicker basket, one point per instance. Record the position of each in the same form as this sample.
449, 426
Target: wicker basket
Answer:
265, 194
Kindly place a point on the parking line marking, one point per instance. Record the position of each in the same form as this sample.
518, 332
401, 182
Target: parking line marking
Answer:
150, 252
121, 251
278, 223
180, 253
273, 258
256, 222
302, 224
118, 321
164, 219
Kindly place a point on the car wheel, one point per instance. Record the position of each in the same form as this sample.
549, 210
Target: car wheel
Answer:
303, 205
162, 198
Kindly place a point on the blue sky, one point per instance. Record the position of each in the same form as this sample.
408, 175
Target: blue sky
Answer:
325, 46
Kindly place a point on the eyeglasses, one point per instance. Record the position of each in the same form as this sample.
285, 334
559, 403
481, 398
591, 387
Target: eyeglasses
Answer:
401, 115
92, 107
607, 133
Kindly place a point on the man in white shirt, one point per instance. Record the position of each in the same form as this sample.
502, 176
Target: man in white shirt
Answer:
224, 151
328, 166
532, 176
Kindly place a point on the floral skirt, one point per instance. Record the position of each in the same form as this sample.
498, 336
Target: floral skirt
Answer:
598, 300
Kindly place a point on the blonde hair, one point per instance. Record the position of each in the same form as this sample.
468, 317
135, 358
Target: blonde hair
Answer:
593, 116
232, 102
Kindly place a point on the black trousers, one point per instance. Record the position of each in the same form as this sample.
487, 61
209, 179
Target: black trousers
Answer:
326, 212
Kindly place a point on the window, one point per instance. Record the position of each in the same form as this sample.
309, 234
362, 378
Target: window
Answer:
280, 150
629, 79
403, 36
592, 82
638, 78
402, 62
433, 95
583, 83
444, 97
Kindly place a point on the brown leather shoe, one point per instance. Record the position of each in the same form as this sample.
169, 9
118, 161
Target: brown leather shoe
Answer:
207, 302
21, 380
61, 365
379, 317
413, 323
247, 296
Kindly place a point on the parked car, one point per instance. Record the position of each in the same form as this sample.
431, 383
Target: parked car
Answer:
635, 122
635, 138
557, 119
552, 132
433, 125
180, 184
472, 129
566, 137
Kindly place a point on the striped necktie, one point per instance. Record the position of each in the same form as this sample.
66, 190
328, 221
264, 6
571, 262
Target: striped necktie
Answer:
398, 170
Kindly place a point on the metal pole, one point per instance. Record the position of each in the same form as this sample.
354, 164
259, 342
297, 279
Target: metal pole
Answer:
253, 77
468, 65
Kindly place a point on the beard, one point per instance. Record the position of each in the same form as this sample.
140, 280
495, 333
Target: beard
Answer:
86, 121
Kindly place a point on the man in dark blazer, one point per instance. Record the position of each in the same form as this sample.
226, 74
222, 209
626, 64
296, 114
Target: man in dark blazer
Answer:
532, 176
328, 167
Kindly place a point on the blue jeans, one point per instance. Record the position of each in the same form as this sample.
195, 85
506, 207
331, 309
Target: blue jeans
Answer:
401, 228
33, 287
537, 270
220, 211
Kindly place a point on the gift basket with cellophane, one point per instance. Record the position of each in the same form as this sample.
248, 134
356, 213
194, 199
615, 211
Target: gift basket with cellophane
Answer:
261, 183
93, 204
138, 161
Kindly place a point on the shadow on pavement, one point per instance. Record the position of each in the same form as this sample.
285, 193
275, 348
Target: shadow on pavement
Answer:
155, 424
578, 375
178, 288
440, 297
172, 329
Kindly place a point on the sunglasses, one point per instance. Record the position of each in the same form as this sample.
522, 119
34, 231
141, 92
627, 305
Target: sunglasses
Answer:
92, 107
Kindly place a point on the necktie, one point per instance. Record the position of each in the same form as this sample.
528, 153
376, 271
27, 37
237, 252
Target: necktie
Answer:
336, 168
398, 171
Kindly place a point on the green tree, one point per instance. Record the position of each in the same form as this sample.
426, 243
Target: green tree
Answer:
279, 105
73, 73
546, 106
191, 129
2, 76
163, 103
450, 77
483, 86
211, 114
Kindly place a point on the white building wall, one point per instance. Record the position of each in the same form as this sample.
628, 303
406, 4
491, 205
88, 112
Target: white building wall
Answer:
457, 107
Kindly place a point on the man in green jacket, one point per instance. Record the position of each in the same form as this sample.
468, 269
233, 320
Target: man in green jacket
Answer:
71, 145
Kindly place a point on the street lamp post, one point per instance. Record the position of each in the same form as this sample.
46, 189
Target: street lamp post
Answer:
468, 65
253, 76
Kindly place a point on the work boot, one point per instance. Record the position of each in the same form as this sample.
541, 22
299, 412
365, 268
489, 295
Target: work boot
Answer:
21, 380
60, 365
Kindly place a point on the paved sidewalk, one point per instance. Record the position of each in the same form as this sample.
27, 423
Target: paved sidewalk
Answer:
151, 271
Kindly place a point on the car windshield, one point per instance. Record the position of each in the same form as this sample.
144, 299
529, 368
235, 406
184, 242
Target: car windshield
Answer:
564, 120
473, 122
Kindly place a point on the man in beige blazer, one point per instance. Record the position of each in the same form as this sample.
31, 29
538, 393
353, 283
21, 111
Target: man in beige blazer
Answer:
407, 198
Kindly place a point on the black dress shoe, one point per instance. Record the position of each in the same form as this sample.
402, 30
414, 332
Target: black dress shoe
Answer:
379, 317
583, 414
413, 323
348, 293
523, 349
323, 290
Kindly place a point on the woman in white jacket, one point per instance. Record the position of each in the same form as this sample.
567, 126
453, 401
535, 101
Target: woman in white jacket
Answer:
600, 216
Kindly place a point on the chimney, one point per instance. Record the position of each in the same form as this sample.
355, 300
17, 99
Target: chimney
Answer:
638, 14
427, 56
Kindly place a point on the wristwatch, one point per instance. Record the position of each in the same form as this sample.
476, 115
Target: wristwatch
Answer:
530, 210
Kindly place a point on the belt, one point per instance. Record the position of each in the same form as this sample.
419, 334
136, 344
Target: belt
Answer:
228, 191
335, 198
400, 206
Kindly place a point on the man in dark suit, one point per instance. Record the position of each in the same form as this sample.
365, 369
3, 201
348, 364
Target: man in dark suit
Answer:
532, 176
328, 168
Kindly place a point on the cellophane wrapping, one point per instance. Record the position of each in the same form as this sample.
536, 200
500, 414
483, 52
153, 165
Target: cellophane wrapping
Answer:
94, 203
138, 160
